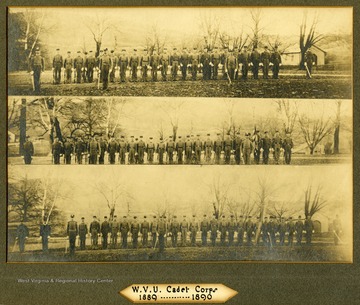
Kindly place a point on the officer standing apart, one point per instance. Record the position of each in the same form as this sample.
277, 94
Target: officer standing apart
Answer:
83, 231
37, 65
45, 232
72, 232
105, 230
28, 150
22, 233
105, 66
57, 65
94, 231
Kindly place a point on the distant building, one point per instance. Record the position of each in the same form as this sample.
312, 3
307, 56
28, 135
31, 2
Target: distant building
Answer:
293, 57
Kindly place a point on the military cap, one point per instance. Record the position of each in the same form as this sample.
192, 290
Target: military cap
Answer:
249, 216
216, 48
151, 138
179, 137
161, 139
123, 50
198, 135
276, 130
188, 136
68, 52
194, 216
245, 47
174, 216
115, 216
105, 49
195, 49
277, 47
170, 137
90, 51
144, 216
136, 139
141, 137
232, 216
131, 136
154, 216
265, 217
164, 217
174, 49
218, 134
105, 216
208, 134
27, 137
204, 215
241, 216
112, 51
299, 216
184, 48
135, 50
124, 216
266, 47
122, 137
135, 217
94, 216
257, 131
265, 132
223, 216
57, 49
165, 49
290, 218
72, 216
85, 53
78, 52
83, 217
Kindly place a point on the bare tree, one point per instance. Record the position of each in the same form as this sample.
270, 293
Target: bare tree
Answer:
313, 203
155, 39
337, 128
210, 29
257, 28
282, 44
314, 130
236, 41
289, 111
220, 194
280, 209
308, 38
174, 113
115, 113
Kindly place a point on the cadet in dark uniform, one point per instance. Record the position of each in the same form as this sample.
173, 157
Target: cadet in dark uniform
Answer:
232, 228
240, 230
282, 231
114, 66
287, 146
214, 227
122, 150
144, 64
188, 150
124, 230
309, 61
45, 232
265, 62
276, 145
68, 150
94, 231
94, 150
112, 149
83, 231
28, 150
265, 146
161, 148
144, 229
247, 148
123, 63
162, 231
68, 66
249, 229
105, 66
194, 228
275, 60
37, 65
184, 62
57, 65
105, 230
72, 232
164, 63
132, 149
174, 230
103, 148
150, 150
223, 228
244, 60
237, 148
255, 61
264, 231
174, 63
78, 66
57, 150
197, 146
79, 150
180, 146
215, 61
84, 68
308, 227
205, 61
22, 233
291, 230
90, 64
231, 64
195, 63
153, 231
170, 147
135, 229
228, 145
208, 146
141, 147
257, 146
218, 147
114, 227
154, 64
204, 228
299, 227
184, 227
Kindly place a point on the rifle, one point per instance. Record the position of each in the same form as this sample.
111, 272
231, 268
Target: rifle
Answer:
98, 83
66, 244
32, 81
228, 77
64, 75
13, 249
53, 76
307, 69
337, 236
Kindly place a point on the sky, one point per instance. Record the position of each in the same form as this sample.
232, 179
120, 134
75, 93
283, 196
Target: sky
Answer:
178, 24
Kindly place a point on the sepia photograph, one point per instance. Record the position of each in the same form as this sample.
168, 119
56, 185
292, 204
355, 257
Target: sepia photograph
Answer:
258, 52
152, 213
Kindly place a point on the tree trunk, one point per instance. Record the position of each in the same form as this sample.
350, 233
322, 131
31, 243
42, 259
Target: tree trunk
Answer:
22, 126
336, 139
312, 150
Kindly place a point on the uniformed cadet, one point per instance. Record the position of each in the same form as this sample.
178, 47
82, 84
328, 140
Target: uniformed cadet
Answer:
56, 67
215, 61
105, 67
240, 230
79, 150
83, 231
282, 230
275, 61
180, 147
208, 147
164, 63
265, 62
228, 145
155, 65
188, 150
174, 230
287, 145
135, 229
170, 147
237, 148
271, 230
231, 65
144, 64
244, 60
153, 231
162, 231
205, 61
114, 229
150, 150
68, 150
198, 147
45, 232
291, 230
103, 148
204, 228
213, 227
122, 150
78, 66
112, 148
94, 231
90, 64
105, 230
161, 148
195, 63
132, 149
276, 145
123, 62
68, 66
124, 230
249, 229
194, 228
309, 61
184, 227
255, 61
144, 229
37, 65
22, 233
72, 232
223, 57
57, 150
184, 62
141, 147
309, 228
337, 228
94, 150
218, 147
223, 228
232, 228
98, 60
264, 231
84, 68
174, 63
265, 146
114, 66
256, 146
28, 150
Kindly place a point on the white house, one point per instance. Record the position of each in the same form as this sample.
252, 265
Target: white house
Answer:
292, 57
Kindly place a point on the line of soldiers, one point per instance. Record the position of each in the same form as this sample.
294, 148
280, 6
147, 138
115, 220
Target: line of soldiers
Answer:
193, 150
228, 231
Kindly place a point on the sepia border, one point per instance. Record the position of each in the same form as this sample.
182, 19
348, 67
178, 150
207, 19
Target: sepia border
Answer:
256, 283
